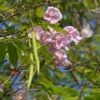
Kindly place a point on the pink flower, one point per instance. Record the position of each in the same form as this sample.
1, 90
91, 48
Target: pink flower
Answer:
86, 31
42, 35
58, 40
52, 15
38, 32
61, 59
73, 35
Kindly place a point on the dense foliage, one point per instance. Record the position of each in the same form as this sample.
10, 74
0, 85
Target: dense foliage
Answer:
34, 58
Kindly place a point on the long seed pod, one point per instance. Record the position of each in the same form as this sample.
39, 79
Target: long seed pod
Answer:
31, 67
35, 52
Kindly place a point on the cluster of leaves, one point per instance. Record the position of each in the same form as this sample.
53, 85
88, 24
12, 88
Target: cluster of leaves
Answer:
81, 81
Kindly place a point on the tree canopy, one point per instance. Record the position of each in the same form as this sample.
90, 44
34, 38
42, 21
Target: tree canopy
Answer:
49, 49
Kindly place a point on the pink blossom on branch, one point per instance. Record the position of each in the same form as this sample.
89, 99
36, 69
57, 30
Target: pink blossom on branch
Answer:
40, 34
58, 42
52, 15
54, 39
73, 34
61, 59
86, 31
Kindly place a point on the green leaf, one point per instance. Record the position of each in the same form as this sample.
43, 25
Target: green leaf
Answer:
2, 51
57, 28
63, 91
12, 52
94, 95
70, 98
20, 44
22, 28
96, 47
10, 29
3, 6
89, 4
54, 26
40, 11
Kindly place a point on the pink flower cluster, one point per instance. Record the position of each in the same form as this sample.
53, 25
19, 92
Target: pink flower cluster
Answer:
58, 42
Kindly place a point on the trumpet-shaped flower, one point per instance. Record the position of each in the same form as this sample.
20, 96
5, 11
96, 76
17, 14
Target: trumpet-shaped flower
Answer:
73, 35
58, 40
52, 15
86, 31
61, 59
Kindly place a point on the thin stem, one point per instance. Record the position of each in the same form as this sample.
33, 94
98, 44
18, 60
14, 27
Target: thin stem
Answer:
75, 78
7, 80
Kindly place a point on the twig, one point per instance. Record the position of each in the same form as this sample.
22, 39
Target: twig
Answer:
75, 78
17, 89
7, 80
18, 73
